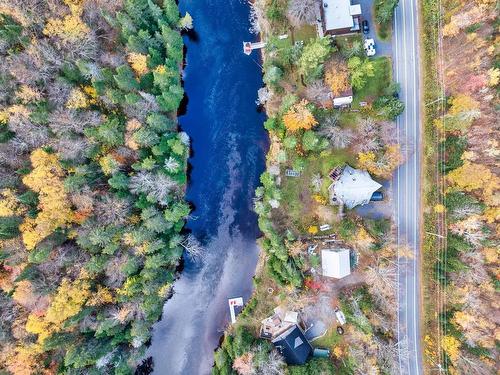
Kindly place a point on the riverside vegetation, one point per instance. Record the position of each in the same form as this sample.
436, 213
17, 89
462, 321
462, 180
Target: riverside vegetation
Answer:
92, 177
310, 137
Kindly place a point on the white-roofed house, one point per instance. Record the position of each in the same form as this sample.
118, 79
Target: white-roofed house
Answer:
336, 263
351, 187
340, 17
344, 99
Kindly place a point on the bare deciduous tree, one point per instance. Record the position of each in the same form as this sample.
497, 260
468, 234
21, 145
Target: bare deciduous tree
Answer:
71, 148
171, 165
263, 95
193, 247
302, 12
156, 186
63, 121
272, 365
338, 137
318, 92
112, 210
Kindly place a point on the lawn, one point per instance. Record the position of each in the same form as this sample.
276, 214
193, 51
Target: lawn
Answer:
329, 340
348, 119
376, 85
345, 42
304, 33
297, 202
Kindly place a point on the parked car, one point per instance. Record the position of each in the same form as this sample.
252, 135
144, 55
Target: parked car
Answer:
370, 47
365, 27
340, 316
377, 196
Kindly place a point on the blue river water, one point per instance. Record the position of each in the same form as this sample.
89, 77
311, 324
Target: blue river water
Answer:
229, 145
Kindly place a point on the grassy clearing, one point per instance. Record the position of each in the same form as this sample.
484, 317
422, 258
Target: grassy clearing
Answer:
376, 85
296, 191
345, 42
384, 31
330, 340
305, 33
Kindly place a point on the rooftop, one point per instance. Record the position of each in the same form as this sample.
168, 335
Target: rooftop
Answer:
353, 187
336, 263
293, 346
338, 14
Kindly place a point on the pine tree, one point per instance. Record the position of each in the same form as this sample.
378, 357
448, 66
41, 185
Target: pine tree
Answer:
125, 78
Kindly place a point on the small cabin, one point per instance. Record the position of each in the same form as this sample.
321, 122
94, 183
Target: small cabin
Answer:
293, 346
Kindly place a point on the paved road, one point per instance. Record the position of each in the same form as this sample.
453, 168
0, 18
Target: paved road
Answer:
407, 185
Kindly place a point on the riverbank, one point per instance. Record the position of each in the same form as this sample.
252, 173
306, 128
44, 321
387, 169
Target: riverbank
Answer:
309, 139
228, 147
91, 227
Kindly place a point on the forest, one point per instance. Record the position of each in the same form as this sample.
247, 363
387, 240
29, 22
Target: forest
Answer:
92, 179
462, 186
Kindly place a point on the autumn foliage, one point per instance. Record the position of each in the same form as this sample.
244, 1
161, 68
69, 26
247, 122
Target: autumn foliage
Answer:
92, 174
337, 77
299, 117
55, 211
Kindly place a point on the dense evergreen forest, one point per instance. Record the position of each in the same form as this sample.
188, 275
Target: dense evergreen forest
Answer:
92, 177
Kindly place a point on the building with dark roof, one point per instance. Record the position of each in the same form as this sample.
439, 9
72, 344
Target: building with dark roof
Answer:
293, 346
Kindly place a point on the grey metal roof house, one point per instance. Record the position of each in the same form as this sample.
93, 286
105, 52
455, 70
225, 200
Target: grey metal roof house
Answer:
293, 346
352, 187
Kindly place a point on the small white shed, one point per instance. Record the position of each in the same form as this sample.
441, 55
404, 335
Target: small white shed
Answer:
336, 263
342, 101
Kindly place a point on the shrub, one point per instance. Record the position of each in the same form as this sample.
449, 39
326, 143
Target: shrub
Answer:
313, 57
453, 146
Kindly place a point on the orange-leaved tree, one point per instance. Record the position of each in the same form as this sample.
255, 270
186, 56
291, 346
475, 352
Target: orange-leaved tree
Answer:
337, 78
299, 117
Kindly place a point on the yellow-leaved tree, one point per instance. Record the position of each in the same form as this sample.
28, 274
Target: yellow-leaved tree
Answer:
472, 176
9, 204
46, 179
381, 164
451, 346
71, 27
299, 117
67, 302
138, 62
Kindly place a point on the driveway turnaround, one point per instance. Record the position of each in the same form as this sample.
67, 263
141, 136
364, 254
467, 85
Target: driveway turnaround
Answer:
407, 186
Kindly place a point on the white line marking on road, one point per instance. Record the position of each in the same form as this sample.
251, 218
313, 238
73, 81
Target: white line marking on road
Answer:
406, 206
415, 125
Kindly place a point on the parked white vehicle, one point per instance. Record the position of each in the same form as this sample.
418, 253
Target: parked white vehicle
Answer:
340, 316
370, 47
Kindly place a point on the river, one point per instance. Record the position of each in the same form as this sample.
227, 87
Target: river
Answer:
229, 145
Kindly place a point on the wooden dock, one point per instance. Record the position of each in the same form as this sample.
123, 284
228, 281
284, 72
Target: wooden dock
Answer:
248, 47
